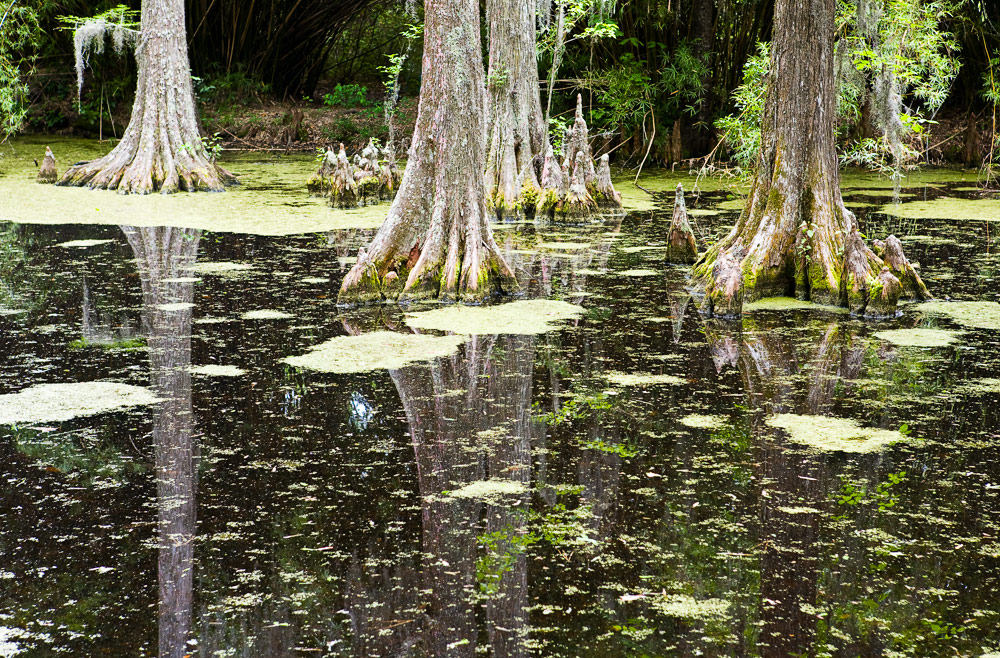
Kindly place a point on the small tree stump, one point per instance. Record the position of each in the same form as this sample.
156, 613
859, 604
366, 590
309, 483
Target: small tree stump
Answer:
895, 260
343, 185
579, 203
883, 295
681, 245
319, 183
48, 174
604, 190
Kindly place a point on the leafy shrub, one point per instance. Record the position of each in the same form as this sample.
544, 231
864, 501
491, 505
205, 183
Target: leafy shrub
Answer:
347, 96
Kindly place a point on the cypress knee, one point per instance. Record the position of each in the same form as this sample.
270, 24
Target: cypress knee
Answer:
681, 245
48, 174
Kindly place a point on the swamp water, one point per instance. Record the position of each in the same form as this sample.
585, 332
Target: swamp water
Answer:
201, 454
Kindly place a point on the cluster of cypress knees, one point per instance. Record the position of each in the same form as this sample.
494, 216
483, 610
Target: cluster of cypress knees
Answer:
370, 178
575, 189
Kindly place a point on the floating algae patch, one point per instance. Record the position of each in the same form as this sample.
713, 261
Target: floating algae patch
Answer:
731, 204
799, 510
701, 421
919, 337
788, 304
589, 272
271, 199
636, 250
56, 403
266, 314
979, 315
981, 386
948, 208
82, 244
683, 606
638, 272
181, 279
530, 316
853, 179
642, 379
831, 434
211, 319
212, 370
489, 490
316, 279
378, 350
175, 307
222, 268
564, 246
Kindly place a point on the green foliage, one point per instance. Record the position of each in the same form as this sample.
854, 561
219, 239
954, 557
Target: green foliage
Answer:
349, 95
19, 32
578, 406
229, 87
742, 132
632, 90
852, 495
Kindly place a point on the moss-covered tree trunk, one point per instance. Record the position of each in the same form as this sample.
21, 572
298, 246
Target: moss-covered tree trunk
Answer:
437, 240
790, 238
161, 150
516, 133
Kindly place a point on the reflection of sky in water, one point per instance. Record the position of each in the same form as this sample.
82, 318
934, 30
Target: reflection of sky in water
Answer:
615, 487
362, 412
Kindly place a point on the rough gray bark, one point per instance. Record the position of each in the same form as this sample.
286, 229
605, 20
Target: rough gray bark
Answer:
161, 150
516, 132
790, 238
437, 240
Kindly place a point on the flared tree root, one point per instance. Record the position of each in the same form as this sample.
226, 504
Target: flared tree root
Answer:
448, 274
47, 174
868, 285
166, 173
682, 248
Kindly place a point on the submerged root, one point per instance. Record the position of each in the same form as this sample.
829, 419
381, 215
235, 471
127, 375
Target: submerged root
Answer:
681, 245
48, 174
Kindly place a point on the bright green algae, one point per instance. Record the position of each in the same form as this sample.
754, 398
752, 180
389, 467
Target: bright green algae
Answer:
271, 200
827, 433
534, 316
919, 337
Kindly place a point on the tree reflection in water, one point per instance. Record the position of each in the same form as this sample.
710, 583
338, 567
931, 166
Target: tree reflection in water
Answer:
794, 483
164, 257
469, 417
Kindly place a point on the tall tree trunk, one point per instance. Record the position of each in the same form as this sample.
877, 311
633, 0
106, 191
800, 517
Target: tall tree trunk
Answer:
516, 133
161, 149
437, 240
793, 234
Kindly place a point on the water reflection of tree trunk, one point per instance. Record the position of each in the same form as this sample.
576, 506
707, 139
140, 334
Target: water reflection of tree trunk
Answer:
164, 256
470, 421
782, 373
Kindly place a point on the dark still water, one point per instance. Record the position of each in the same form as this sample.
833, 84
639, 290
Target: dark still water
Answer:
627, 479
